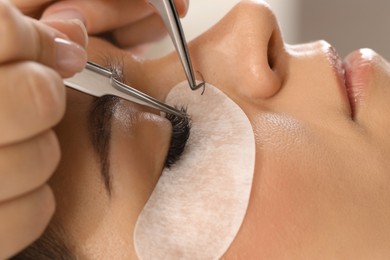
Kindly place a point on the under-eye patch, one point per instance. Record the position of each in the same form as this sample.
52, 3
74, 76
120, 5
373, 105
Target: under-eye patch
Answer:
199, 203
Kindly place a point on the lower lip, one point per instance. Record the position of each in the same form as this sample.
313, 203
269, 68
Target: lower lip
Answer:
358, 70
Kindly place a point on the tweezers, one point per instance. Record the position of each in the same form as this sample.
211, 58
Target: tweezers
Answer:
98, 81
170, 17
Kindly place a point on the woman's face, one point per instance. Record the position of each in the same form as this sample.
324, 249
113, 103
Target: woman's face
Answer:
321, 171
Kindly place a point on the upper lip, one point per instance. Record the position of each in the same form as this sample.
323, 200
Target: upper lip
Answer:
357, 68
348, 88
354, 74
340, 70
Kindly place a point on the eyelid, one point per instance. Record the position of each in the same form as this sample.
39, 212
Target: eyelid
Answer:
180, 126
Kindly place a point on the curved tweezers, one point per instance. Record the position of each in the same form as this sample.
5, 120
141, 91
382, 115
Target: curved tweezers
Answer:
168, 13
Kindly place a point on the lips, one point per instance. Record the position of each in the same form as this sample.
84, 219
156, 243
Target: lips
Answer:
354, 74
358, 72
340, 71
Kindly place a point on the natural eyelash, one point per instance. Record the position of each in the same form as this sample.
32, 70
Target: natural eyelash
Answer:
116, 68
180, 133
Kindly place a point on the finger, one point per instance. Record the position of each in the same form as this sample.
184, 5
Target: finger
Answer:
27, 165
28, 6
144, 31
99, 16
31, 103
45, 44
74, 29
182, 7
24, 219
102, 16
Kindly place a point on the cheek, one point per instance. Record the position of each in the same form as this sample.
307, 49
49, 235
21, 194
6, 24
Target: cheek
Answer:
281, 203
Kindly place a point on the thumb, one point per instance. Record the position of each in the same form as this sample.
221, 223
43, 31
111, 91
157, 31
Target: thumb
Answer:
60, 51
74, 29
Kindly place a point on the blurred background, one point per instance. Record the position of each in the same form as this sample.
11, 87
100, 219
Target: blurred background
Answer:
346, 24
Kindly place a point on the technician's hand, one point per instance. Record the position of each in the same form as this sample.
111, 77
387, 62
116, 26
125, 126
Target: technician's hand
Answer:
126, 22
32, 101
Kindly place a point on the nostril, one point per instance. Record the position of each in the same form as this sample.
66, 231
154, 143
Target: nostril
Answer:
271, 52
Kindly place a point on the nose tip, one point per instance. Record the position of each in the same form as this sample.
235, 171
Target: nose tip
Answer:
244, 53
261, 48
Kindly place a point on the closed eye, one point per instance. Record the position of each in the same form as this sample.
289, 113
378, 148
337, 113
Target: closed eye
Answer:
181, 126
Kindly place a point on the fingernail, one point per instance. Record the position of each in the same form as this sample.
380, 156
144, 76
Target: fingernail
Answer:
67, 14
186, 5
83, 30
71, 57
79, 36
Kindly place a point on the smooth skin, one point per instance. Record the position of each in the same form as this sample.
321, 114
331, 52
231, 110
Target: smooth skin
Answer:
128, 22
321, 180
321, 185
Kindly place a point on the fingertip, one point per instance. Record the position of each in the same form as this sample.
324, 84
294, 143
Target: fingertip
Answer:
70, 57
182, 7
74, 29
63, 52
48, 204
27, 218
64, 14
41, 210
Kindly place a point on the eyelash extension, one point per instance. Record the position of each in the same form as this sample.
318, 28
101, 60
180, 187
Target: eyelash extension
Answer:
181, 127
203, 84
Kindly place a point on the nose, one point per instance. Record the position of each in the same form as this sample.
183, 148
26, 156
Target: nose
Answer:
244, 52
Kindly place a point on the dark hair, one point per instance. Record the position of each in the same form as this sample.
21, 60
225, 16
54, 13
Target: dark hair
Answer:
52, 245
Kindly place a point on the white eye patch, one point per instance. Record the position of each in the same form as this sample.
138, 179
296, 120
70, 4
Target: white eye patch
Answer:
199, 204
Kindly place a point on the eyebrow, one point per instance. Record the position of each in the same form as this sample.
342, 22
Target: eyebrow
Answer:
99, 122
